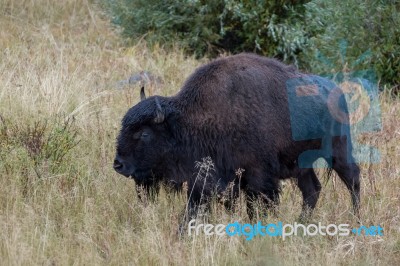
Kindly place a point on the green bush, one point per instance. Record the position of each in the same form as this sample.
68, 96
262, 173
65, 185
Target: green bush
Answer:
354, 35
309, 34
207, 27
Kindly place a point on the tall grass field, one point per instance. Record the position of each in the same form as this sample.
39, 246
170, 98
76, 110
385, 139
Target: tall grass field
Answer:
61, 202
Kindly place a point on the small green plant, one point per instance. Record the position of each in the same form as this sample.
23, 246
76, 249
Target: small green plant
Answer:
46, 142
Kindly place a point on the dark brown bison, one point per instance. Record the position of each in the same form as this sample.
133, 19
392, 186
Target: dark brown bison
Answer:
244, 112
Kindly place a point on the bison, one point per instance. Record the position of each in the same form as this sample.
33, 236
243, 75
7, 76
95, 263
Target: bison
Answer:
239, 111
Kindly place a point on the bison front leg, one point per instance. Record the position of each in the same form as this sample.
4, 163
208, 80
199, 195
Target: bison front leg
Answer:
310, 187
198, 202
148, 191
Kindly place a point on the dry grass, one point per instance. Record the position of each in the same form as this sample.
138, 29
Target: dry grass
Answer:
62, 59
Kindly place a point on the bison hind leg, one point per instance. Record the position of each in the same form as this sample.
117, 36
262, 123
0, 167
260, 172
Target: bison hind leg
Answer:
310, 187
266, 193
344, 165
349, 173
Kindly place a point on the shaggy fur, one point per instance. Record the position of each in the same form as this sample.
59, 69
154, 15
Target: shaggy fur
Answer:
236, 111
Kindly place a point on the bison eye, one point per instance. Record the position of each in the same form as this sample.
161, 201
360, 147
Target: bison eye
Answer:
141, 135
137, 135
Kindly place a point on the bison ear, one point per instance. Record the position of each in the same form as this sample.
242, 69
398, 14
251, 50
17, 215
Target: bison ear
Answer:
159, 112
142, 94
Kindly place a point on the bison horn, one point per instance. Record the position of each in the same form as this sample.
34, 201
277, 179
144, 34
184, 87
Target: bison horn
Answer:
159, 112
142, 94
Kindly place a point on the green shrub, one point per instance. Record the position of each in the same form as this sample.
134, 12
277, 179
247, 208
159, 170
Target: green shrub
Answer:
207, 27
300, 32
354, 35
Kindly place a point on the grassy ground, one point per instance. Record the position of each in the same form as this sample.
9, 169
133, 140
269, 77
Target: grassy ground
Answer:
62, 203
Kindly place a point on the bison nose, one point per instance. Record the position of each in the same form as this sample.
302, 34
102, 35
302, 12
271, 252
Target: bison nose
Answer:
117, 165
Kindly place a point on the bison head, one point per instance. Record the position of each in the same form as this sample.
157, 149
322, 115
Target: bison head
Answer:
145, 141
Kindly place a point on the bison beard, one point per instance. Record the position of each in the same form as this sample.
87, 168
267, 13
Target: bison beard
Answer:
234, 110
